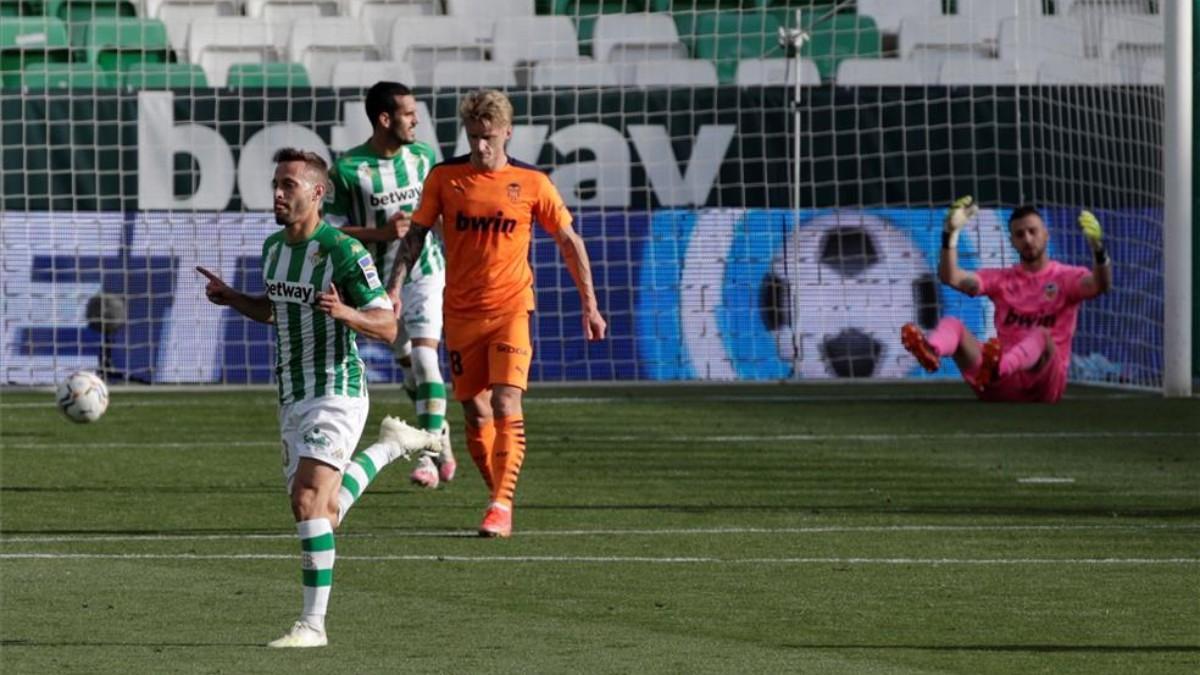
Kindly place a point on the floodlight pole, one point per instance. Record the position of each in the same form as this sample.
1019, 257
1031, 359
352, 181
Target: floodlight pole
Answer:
1177, 225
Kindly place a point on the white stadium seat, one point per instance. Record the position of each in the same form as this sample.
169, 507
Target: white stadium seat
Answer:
675, 73
153, 8
275, 10
320, 43
381, 17
355, 8
178, 18
529, 39
424, 41
775, 72
636, 37
217, 43
485, 13
1064, 71
1130, 40
995, 11
1093, 13
472, 74
879, 72
889, 13
580, 73
366, 73
930, 41
1037, 39
987, 72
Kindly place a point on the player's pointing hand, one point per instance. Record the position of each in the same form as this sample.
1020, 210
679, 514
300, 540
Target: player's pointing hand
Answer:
218, 292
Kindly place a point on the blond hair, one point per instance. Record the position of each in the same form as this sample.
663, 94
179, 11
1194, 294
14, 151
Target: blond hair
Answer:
486, 105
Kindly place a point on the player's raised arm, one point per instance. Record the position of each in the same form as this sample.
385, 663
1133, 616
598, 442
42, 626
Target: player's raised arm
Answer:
961, 212
575, 255
1100, 280
256, 307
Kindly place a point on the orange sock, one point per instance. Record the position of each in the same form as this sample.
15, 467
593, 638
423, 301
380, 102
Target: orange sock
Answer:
481, 441
508, 457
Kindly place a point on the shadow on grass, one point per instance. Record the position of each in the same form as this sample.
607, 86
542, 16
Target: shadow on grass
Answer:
154, 645
1034, 648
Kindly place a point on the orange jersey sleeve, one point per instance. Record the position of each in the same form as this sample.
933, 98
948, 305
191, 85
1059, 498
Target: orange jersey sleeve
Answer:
430, 206
549, 209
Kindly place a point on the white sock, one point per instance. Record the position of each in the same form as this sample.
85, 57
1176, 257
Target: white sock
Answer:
316, 564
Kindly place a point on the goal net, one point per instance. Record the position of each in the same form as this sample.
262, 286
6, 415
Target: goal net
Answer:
760, 184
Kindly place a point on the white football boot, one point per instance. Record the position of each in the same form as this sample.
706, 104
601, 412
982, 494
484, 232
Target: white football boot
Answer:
405, 441
301, 635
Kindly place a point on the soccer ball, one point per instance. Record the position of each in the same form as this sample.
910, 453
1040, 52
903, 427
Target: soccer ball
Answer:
836, 296
83, 397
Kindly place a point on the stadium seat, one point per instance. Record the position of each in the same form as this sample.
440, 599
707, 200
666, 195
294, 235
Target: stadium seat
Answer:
675, 73
995, 11
888, 14
470, 74
636, 37
164, 76
485, 13
18, 8
366, 73
218, 43
320, 43
585, 12
1093, 13
356, 8
549, 74
1069, 71
987, 72
117, 44
267, 75
841, 36
152, 9
1129, 40
280, 10
79, 13
880, 72
1033, 40
424, 41
178, 18
530, 39
1154, 71
25, 41
775, 72
726, 37
931, 40
380, 17
66, 76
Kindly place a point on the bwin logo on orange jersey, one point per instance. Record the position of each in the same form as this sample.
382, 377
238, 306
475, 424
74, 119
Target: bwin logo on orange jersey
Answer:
496, 223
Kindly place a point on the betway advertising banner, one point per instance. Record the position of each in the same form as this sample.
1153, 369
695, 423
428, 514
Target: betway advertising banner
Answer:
690, 294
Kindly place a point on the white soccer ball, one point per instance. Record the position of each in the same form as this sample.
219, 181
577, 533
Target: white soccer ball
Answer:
83, 397
837, 295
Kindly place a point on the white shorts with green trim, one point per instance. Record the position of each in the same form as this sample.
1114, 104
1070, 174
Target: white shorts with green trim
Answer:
421, 312
326, 429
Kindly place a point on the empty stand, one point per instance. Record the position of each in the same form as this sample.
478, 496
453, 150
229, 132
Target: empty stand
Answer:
218, 43
675, 73
366, 73
880, 73
776, 72
467, 75
320, 43
547, 74
423, 42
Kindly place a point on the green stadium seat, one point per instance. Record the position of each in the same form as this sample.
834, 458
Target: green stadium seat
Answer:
78, 13
726, 37
66, 76
26, 41
584, 13
117, 44
842, 36
164, 76
17, 8
267, 75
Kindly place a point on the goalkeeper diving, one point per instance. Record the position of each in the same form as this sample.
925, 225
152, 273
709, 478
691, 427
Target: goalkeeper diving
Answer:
1037, 303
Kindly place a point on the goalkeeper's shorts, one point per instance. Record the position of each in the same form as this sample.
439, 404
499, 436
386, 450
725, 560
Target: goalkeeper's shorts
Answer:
488, 350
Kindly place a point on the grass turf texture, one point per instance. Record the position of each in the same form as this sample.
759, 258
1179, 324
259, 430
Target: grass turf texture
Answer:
748, 529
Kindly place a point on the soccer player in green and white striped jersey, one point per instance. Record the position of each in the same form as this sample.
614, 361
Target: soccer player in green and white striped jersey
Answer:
376, 186
308, 268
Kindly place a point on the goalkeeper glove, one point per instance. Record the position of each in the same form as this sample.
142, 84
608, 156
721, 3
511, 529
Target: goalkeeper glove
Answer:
1094, 235
961, 211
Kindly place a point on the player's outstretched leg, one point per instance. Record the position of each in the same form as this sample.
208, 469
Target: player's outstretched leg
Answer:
397, 440
432, 468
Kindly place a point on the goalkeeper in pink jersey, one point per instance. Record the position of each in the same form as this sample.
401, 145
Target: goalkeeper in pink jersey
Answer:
1037, 303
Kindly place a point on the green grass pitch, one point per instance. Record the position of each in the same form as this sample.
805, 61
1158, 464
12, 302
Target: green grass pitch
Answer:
823, 529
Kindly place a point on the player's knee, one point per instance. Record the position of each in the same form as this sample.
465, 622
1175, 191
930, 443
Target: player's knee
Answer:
477, 413
306, 503
506, 401
425, 364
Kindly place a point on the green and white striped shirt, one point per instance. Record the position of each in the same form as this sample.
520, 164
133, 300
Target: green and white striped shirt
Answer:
368, 189
314, 354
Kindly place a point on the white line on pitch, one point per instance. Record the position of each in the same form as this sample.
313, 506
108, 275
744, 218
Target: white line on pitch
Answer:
745, 438
612, 559
1046, 480
816, 529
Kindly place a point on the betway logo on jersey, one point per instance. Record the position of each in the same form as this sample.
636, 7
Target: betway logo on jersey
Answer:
398, 197
496, 223
291, 291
